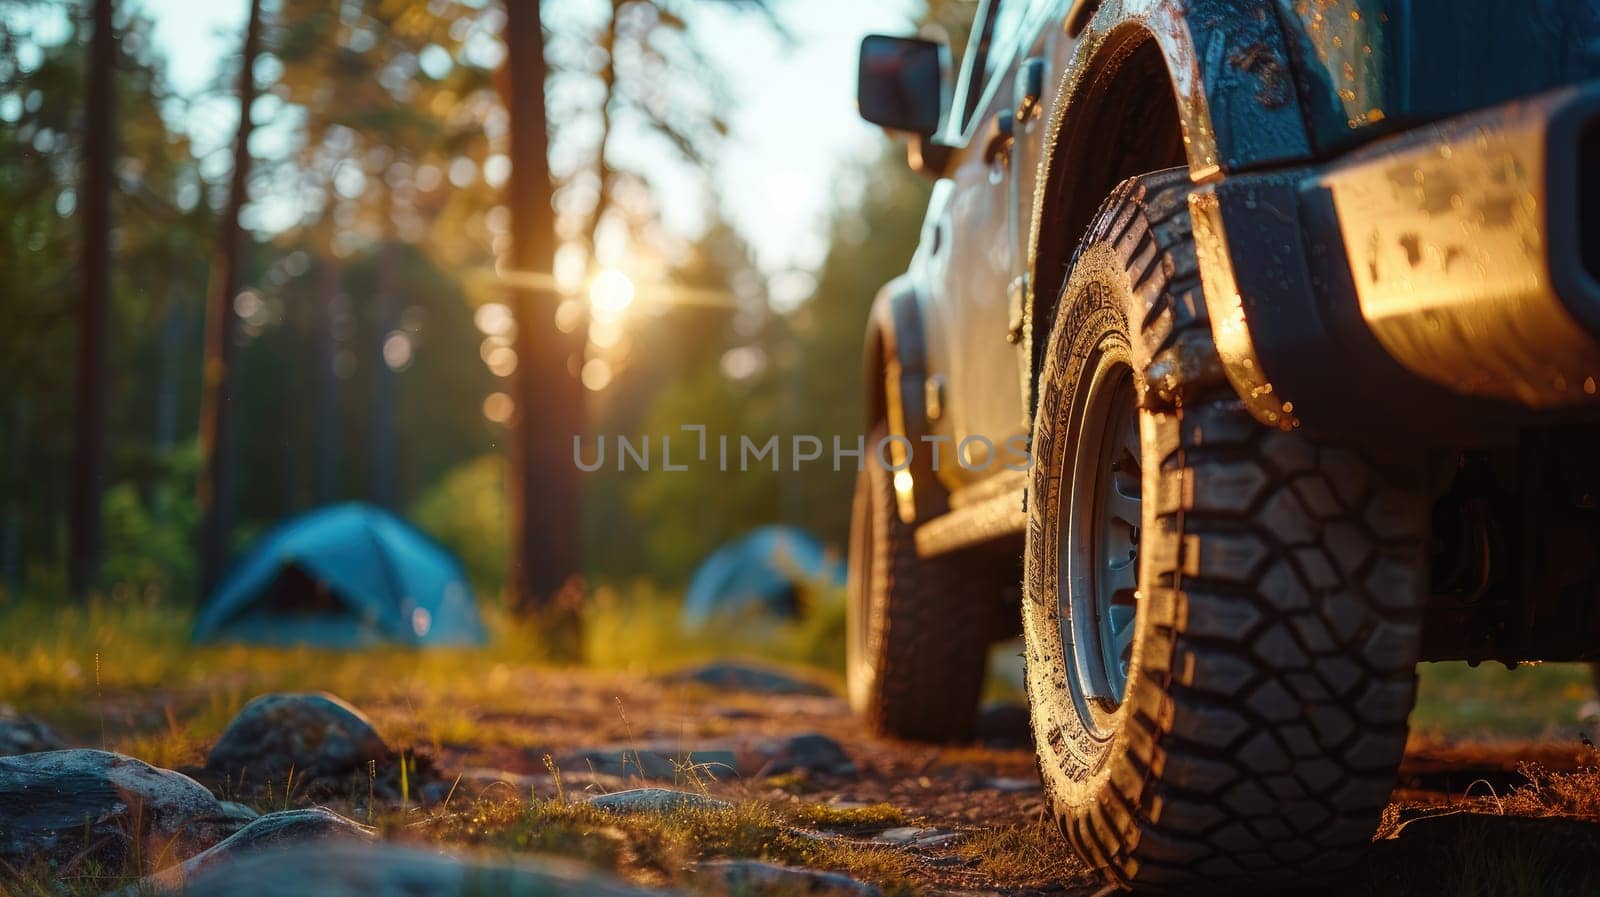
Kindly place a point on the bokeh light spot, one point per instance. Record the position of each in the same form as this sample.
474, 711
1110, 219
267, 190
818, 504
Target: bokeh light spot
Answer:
498, 407
596, 374
611, 292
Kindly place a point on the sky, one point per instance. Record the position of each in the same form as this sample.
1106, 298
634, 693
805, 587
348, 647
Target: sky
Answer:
792, 126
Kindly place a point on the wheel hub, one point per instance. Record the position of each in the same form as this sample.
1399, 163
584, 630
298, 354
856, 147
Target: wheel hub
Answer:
1098, 551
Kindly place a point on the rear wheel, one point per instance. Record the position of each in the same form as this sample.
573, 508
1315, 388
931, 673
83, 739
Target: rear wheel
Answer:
916, 642
1222, 620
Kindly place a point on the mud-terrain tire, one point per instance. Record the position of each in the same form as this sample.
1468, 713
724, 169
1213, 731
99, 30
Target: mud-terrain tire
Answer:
915, 641
1276, 620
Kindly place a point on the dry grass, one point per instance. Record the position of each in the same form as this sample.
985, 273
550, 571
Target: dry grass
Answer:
74, 663
662, 848
124, 675
1573, 794
1018, 853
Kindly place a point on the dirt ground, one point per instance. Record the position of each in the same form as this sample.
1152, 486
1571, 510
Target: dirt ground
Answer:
1467, 817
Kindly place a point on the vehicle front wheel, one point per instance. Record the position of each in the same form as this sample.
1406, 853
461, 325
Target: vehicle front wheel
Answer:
1222, 619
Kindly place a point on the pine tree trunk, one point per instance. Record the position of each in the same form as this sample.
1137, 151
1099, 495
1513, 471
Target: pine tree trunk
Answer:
380, 456
545, 489
99, 151
222, 328
327, 322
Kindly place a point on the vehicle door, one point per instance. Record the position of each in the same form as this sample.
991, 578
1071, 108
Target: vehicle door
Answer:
978, 387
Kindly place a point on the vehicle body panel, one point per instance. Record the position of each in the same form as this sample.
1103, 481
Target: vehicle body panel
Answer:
1261, 90
1370, 67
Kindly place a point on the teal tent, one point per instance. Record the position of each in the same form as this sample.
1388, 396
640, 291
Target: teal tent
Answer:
344, 576
765, 570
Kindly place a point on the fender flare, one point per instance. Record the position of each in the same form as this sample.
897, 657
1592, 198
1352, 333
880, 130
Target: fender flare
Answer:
895, 375
1228, 65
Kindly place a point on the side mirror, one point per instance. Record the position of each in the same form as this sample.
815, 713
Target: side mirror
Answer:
902, 84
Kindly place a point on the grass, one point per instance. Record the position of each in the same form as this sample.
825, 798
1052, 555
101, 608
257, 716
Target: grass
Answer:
55, 655
1531, 701
70, 662
662, 849
646, 848
59, 649
1539, 839
123, 674
1575, 794
1017, 852
95, 669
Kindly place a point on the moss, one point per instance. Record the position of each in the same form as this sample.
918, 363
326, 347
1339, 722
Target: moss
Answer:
868, 818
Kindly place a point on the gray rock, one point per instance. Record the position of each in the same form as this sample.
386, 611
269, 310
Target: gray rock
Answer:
810, 752
911, 836
484, 777
655, 800
750, 878
239, 812
652, 763
25, 735
386, 870
59, 804
764, 680
1017, 785
312, 734
1005, 726
273, 832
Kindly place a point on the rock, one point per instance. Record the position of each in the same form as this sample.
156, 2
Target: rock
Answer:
810, 752
237, 811
312, 734
658, 763
274, 832
1018, 785
435, 793
25, 735
668, 762
484, 777
57, 805
387, 870
1005, 726
911, 836
750, 677
751, 878
655, 800
476, 782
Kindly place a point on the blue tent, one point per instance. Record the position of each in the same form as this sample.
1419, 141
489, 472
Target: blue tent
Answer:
764, 570
348, 575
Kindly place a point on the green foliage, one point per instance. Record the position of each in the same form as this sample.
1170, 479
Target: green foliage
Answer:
466, 510
663, 524
161, 233
150, 535
870, 243
369, 93
641, 627
1534, 700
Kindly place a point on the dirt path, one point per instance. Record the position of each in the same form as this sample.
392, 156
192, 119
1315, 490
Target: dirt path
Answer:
971, 819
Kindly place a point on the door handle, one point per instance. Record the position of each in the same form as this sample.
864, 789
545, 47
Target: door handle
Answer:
1001, 133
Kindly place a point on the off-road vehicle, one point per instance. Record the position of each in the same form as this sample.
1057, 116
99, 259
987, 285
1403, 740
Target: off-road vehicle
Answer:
1260, 338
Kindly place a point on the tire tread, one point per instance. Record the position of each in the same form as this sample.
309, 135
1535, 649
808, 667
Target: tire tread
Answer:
1285, 616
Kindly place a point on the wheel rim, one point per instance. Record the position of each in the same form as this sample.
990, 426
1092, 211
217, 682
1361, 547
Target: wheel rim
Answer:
1098, 545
